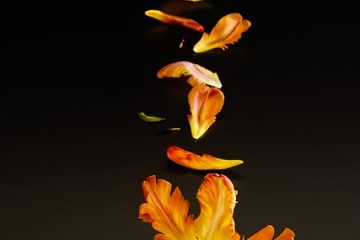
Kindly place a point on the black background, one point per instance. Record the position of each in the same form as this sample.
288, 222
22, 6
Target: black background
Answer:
73, 151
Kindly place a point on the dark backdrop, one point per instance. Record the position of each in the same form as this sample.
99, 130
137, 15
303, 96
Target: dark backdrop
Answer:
73, 151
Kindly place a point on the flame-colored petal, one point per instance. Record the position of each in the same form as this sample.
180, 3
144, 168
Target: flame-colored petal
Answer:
205, 103
172, 19
197, 73
167, 213
197, 162
267, 233
217, 199
227, 30
287, 234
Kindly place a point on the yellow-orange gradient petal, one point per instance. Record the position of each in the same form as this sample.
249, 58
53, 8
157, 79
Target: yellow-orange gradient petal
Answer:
217, 198
267, 233
197, 73
227, 31
205, 103
167, 213
172, 19
193, 161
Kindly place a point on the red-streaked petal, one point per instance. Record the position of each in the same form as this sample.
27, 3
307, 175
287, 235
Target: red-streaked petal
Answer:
193, 161
172, 19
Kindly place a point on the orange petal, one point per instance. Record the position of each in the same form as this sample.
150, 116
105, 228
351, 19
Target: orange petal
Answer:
267, 233
287, 234
227, 30
205, 103
197, 162
217, 199
167, 213
197, 73
172, 19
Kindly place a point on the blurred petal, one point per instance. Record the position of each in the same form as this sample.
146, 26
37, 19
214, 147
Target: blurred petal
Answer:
205, 103
148, 118
287, 234
217, 199
197, 73
167, 213
172, 19
227, 30
197, 162
267, 233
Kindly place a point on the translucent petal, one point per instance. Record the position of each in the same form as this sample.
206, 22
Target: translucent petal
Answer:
228, 30
197, 73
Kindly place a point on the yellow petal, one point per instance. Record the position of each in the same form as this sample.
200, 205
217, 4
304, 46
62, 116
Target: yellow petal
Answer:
197, 73
205, 103
217, 199
197, 162
172, 19
227, 30
167, 213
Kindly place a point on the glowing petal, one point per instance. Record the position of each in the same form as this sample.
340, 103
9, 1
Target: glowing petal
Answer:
227, 30
217, 199
197, 73
205, 103
167, 213
197, 162
172, 19
148, 118
267, 233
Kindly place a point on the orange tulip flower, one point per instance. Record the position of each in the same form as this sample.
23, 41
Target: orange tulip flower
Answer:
205, 103
172, 19
168, 213
227, 30
197, 162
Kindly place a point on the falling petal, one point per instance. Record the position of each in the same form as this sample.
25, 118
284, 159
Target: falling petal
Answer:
267, 233
197, 162
172, 19
148, 118
217, 199
167, 213
205, 103
227, 31
197, 73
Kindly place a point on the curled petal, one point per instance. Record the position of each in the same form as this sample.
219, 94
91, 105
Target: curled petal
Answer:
205, 103
197, 73
227, 30
172, 19
217, 199
197, 162
167, 213
267, 233
148, 118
